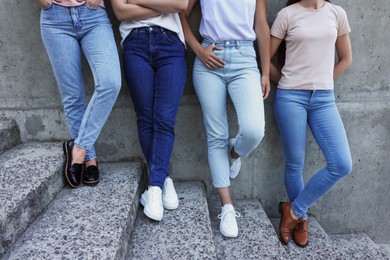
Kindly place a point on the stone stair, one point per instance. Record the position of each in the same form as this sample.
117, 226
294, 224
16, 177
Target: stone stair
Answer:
323, 246
359, 246
9, 134
184, 233
257, 238
30, 177
40, 219
87, 222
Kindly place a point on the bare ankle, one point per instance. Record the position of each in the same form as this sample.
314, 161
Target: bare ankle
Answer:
233, 154
78, 155
293, 214
90, 162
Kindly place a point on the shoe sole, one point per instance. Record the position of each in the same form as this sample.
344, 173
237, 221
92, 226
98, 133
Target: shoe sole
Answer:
91, 183
147, 212
170, 206
227, 235
304, 245
65, 148
234, 176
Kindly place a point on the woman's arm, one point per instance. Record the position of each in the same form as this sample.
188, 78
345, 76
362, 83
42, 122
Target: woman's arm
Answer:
274, 71
344, 53
263, 40
163, 6
206, 55
125, 11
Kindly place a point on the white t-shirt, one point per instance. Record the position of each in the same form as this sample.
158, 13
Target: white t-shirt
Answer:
224, 20
310, 37
169, 21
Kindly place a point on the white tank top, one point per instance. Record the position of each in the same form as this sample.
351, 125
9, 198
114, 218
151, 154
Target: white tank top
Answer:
224, 20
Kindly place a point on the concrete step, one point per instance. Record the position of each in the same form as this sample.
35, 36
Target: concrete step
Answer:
87, 222
184, 233
386, 248
320, 245
257, 238
359, 246
30, 177
9, 134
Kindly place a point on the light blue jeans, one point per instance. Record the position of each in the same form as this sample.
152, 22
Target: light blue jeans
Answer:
240, 78
294, 110
66, 32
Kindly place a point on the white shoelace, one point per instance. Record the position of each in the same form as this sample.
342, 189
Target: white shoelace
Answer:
234, 164
229, 216
153, 194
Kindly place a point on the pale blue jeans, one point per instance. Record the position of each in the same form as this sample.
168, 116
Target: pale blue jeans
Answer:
240, 78
66, 33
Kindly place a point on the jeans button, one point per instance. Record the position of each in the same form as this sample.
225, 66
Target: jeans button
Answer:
150, 29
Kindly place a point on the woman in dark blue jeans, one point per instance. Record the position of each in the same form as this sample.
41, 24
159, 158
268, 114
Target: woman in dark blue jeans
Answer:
154, 66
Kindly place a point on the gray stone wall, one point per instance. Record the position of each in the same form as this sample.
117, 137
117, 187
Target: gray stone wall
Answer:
361, 202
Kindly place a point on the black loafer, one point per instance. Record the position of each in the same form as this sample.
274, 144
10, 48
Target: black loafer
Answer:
91, 175
72, 173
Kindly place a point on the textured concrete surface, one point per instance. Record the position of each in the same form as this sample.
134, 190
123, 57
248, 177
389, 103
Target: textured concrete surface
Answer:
9, 134
359, 246
256, 236
28, 93
88, 222
30, 177
184, 233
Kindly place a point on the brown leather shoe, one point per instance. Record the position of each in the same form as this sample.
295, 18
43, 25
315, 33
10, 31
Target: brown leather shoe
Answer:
287, 222
301, 233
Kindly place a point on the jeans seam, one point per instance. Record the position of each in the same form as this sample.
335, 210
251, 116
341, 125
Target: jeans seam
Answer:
325, 143
94, 98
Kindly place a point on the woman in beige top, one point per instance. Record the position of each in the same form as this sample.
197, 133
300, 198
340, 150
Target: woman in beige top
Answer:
313, 31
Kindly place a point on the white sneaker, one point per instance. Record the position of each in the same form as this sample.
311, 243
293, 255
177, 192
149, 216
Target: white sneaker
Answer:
152, 202
228, 226
235, 164
169, 196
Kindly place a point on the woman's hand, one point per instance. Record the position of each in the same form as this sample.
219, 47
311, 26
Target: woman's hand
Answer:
266, 86
45, 3
208, 57
91, 3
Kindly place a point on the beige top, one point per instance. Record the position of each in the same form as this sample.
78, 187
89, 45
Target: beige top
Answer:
310, 37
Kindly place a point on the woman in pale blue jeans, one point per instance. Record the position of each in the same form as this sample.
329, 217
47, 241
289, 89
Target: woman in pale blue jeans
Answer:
66, 32
225, 65
240, 78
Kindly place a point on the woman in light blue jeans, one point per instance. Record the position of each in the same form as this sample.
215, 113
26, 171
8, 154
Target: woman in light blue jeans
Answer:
313, 30
226, 65
69, 28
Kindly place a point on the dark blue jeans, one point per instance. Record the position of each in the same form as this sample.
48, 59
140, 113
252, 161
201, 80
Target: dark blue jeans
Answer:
155, 70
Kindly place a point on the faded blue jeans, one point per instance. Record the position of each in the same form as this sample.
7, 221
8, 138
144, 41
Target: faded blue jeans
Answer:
66, 32
294, 110
155, 70
240, 78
